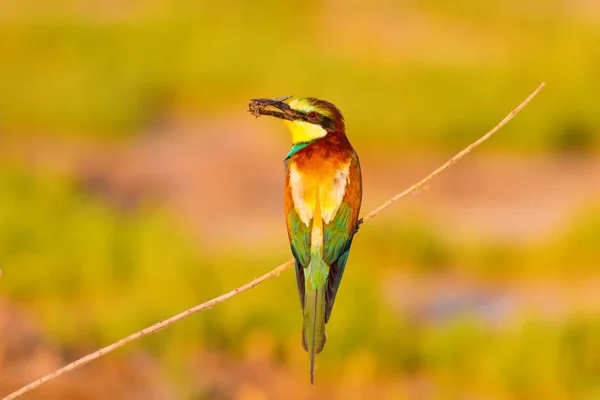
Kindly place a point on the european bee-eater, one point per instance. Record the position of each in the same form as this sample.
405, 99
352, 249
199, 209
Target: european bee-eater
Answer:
322, 197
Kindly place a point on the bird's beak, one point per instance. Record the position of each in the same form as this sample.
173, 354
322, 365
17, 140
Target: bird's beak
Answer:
273, 107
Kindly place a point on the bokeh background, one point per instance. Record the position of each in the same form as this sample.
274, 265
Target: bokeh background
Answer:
135, 185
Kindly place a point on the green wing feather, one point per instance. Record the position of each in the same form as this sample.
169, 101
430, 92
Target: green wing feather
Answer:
299, 235
338, 235
336, 272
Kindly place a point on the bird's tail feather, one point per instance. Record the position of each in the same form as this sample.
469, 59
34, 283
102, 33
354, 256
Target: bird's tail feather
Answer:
315, 286
313, 330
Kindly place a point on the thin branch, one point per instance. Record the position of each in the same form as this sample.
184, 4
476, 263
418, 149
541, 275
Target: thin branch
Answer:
210, 303
414, 188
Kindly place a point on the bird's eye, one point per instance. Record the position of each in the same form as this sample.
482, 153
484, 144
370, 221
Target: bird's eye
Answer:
312, 115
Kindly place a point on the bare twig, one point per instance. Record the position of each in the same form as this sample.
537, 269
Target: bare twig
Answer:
148, 331
210, 303
414, 188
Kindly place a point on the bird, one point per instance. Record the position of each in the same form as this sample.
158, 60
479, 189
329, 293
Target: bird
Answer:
322, 199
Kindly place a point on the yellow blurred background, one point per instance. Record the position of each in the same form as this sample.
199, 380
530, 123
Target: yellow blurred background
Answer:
135, 185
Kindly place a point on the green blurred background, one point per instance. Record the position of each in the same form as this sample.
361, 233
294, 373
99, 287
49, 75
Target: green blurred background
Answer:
135, 185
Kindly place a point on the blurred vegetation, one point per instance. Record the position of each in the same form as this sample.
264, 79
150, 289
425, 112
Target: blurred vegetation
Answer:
91, 273
573, 252
417, 74
428, 75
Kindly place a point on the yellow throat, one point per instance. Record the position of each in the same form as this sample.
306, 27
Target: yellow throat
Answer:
303, 131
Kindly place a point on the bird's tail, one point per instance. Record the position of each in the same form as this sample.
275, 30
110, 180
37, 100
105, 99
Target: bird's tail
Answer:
313, 330
315, 285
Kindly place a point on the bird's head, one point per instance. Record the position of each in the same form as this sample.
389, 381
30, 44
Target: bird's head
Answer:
307, 118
